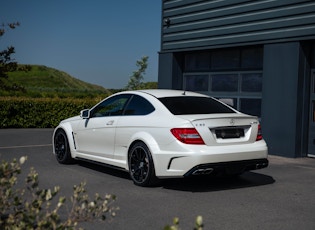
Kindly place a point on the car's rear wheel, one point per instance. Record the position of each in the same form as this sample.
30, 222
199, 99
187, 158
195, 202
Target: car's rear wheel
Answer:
141, 167
62, 149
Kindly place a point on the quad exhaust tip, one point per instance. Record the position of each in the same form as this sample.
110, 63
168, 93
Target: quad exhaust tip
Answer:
261, 165
205, 171
238, 168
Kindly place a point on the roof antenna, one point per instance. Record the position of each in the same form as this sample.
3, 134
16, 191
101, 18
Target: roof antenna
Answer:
184, 93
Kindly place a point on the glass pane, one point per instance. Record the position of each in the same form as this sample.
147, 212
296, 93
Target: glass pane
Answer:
251, 106
194, 105
225, 59
197, 61
110, 107
196, 82
138, 106
229, 101
252, 82
252, 58
225, 82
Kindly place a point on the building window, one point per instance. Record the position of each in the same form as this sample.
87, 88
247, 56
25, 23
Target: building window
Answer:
197, 82
230, 101
241, 90
225, 59
248, 58
251, 82
251, 106
197, 61
252, 58
232, 75
224, 82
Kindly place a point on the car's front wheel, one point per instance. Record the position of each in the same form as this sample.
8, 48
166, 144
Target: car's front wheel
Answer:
62, 149
141, 167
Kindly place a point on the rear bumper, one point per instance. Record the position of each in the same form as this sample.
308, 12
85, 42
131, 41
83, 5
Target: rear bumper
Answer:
228, 168
240, 157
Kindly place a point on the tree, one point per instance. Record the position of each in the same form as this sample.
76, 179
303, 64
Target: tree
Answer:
151, 85
136, 80
3, 27
7, 63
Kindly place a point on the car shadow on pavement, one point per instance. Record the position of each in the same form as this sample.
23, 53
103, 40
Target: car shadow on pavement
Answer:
217, 183
192, 184
103, 168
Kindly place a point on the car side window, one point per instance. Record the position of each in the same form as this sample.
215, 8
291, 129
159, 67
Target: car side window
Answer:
138, 106
113, 106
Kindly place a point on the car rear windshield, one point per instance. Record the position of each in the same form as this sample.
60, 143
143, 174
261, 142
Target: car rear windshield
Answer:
194, 105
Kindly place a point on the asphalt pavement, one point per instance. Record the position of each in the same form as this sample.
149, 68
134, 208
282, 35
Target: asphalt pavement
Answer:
281, 196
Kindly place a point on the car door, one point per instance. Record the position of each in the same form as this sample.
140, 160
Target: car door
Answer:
136, 119
96, 135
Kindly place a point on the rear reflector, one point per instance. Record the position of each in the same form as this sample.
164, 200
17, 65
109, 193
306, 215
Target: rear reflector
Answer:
259, 134
187, 136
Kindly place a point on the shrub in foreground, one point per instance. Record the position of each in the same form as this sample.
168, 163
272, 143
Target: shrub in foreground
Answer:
175, 225
31, 207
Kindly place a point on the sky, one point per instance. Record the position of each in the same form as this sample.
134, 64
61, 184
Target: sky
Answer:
97, 41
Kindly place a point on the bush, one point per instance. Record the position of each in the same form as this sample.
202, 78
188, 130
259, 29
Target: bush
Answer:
19, 112
175, 225
32, 208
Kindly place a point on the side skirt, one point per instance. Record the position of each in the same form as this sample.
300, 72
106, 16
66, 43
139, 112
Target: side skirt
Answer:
101, 164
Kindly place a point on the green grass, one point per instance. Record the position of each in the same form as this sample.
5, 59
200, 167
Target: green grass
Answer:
49, 96
42, 81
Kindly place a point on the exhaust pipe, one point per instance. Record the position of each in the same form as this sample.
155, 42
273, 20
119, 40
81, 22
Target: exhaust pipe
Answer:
206, 171
261, 165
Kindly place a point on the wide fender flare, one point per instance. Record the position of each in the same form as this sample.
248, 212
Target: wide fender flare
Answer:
147, 139
68, 130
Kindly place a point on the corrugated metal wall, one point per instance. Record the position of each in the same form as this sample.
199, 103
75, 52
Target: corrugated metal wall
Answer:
195, 24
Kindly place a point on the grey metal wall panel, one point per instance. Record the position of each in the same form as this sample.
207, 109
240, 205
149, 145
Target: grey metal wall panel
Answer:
209, 24
280, 100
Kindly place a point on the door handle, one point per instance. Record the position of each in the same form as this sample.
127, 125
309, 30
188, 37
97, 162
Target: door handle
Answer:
110, 122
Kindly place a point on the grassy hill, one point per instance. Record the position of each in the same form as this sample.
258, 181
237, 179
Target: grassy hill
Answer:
42, 81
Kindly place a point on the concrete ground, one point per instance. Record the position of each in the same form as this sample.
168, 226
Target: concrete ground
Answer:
281, 196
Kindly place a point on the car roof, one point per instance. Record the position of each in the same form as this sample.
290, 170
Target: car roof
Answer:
159, 93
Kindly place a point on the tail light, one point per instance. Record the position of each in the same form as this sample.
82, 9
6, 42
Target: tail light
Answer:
259, 134
187, 136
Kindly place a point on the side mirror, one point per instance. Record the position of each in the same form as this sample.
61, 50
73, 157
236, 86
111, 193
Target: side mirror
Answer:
85, 114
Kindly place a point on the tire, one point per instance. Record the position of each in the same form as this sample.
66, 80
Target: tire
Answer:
141, 167
62, 149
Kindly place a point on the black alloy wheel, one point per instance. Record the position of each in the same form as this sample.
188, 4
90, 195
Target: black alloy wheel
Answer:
141, 167
62, 150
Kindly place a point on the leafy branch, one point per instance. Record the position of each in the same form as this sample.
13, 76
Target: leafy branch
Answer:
34, 208
136, 80
7, 63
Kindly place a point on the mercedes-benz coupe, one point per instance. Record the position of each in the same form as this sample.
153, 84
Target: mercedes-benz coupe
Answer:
163, 134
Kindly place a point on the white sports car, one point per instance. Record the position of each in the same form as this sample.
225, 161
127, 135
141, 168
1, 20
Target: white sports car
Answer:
163, 134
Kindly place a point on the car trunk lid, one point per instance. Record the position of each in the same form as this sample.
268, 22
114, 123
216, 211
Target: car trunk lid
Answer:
225, 129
